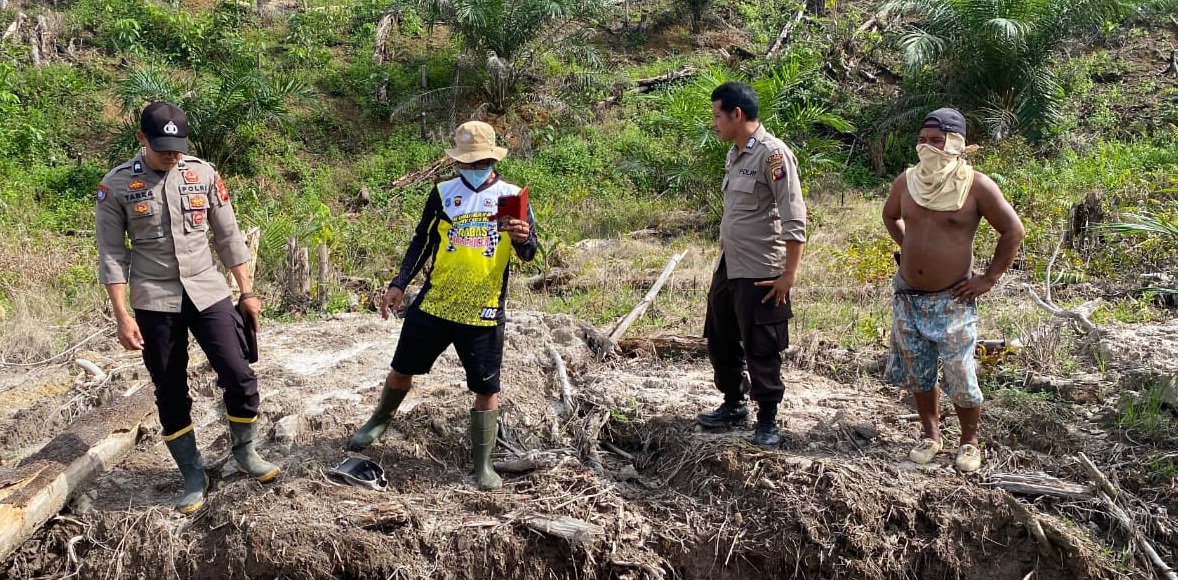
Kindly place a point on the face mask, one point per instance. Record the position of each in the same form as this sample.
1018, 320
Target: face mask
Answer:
476, 177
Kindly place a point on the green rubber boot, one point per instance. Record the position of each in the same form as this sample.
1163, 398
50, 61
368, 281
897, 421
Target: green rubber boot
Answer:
244, 432
390, 399
182, 446
484, 427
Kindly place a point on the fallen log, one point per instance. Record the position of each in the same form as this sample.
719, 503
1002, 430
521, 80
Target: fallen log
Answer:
569, 528
39, 487
555, 277
665, 344
648, 85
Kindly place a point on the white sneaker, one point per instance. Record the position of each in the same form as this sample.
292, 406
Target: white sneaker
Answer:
969, 458
925, 452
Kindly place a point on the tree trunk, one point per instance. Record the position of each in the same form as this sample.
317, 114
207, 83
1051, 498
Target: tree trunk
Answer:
38, 488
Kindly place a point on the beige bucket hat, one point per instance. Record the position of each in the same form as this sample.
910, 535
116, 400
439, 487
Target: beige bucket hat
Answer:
475, 141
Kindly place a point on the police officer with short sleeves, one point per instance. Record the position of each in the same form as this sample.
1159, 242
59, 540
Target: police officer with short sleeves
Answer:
166, 203
762, 232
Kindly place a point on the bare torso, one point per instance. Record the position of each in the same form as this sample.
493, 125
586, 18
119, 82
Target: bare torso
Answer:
938, 245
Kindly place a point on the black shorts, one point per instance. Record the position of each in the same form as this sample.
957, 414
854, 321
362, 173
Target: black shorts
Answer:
425, 336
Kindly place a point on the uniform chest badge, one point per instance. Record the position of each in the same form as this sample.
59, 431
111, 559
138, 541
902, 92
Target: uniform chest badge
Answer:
457, 200
190, 177
103, 191
141, 209
752, 141
198, 218
136, 185
198, 202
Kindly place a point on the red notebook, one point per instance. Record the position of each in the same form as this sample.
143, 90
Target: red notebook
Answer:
514, 206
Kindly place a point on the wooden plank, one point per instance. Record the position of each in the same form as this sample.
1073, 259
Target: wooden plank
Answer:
39, 487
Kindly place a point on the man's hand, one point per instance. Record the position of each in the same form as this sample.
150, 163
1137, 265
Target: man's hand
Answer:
779, 288
967, 290
519, 230
129, 336
391, 300
251, 307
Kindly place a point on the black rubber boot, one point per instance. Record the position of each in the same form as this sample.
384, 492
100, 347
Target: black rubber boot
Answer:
484, 427
390, 399
765, 434
248, 460
196, 483
726, 415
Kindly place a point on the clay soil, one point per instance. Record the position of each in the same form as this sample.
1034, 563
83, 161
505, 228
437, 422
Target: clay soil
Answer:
655, 496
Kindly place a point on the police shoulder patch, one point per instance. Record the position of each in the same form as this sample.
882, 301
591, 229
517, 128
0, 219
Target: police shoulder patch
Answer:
776, 163
221, 191
103, 193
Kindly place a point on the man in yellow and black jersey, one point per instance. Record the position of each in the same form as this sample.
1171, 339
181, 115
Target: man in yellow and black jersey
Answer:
465, 290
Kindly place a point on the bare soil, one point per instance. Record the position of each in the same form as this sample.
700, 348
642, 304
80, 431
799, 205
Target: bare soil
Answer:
837, 500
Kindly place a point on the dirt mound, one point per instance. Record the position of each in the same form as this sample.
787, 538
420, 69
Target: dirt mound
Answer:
617, 483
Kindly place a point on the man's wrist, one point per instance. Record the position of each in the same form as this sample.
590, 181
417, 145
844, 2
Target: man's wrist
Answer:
247, 295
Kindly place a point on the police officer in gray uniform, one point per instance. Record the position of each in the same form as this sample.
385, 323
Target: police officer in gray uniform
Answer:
166, 202
762, 232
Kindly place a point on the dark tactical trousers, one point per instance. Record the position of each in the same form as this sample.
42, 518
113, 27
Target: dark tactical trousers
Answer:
741, 331
219, 331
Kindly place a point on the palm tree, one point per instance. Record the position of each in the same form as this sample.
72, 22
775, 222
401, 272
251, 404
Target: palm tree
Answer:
993, 58
792, 107
503, 41
224, 113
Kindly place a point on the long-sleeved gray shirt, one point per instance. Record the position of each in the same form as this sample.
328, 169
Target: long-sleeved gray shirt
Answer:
167, 217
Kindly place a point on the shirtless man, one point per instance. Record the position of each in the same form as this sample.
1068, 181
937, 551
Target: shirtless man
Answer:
933, 213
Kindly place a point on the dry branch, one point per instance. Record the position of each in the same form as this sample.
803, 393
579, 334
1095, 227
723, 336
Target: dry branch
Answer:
37, 489
1030, 521
415, 177
783, 36
1125, 520
1094, 472
1040, 485
1077, 316
647, 300
562, 376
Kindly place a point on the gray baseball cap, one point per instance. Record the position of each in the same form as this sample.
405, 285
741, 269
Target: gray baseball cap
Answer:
946, 119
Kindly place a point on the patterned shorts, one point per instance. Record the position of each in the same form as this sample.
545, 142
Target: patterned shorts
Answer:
931, 328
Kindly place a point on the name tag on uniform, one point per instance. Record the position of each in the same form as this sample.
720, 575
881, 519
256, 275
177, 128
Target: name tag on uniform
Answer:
190, 189
190, 177
138, 196
141, 209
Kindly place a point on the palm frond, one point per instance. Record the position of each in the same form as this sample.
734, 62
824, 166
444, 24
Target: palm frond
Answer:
1143, 225
430, 99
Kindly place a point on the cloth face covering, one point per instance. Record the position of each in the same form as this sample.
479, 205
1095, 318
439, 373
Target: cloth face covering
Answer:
476, 177
942, 179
